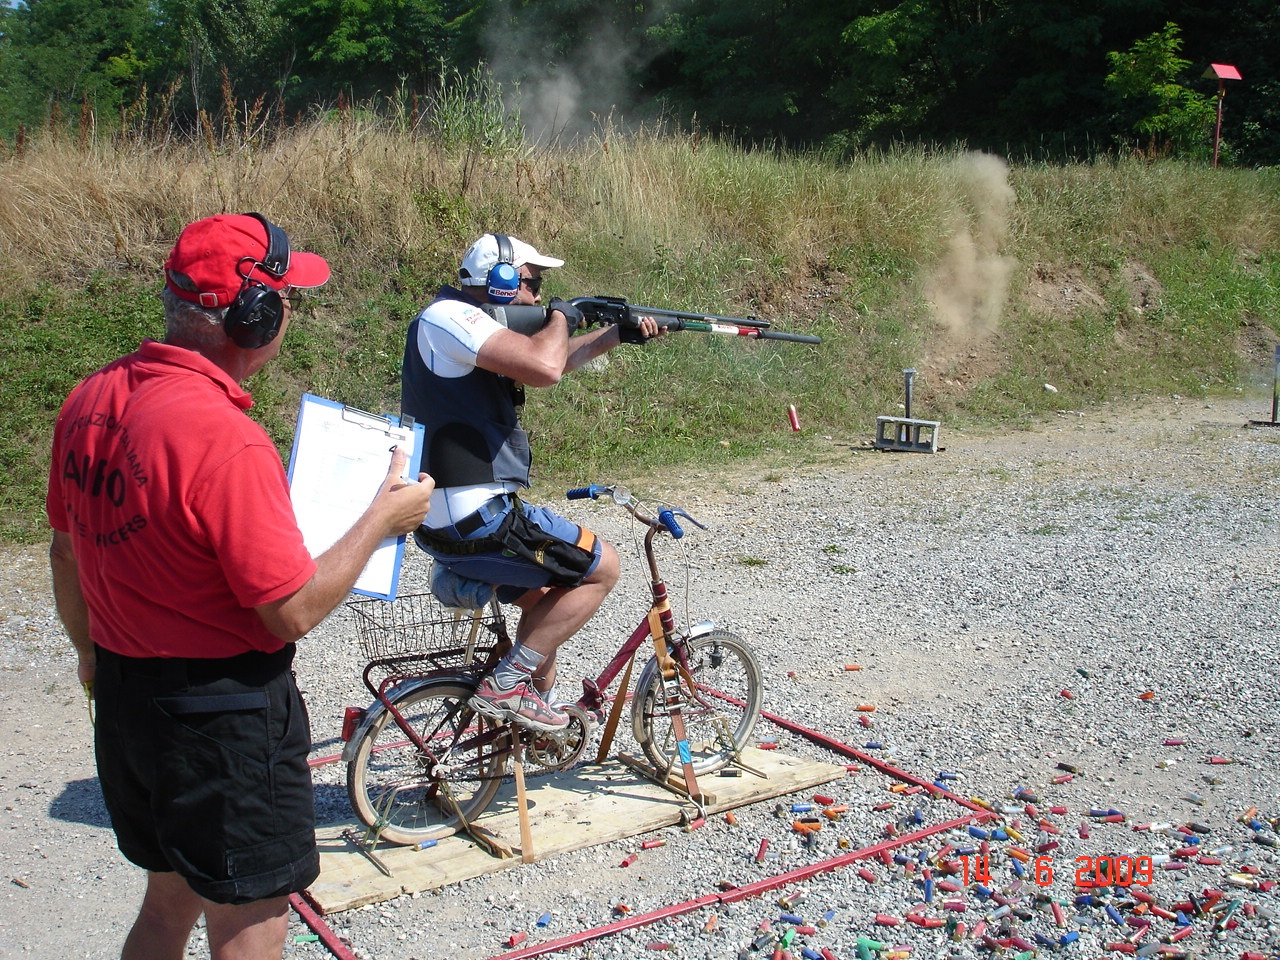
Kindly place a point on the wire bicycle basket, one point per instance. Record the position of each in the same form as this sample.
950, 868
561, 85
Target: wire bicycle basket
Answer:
416, 628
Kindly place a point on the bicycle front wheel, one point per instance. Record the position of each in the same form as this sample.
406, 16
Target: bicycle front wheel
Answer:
414, 795
719, 707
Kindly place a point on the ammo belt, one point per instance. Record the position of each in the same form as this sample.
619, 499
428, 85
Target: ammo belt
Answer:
436, 540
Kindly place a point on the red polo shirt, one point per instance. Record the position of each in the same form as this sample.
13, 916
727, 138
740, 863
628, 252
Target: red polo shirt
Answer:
177, 505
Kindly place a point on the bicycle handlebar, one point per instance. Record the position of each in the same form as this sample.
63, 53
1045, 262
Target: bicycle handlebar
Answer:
666, 518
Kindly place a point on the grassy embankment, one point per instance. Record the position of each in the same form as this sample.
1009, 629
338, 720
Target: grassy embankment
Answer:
1108, 280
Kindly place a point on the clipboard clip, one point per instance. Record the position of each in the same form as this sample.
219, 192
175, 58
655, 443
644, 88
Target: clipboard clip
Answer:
358, 417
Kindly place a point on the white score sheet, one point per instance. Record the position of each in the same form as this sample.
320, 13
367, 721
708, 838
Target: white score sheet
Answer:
339, 461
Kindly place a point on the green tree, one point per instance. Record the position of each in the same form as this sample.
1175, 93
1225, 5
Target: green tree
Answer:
759, 69
205, 40
1172, 117
72, 53
364, 47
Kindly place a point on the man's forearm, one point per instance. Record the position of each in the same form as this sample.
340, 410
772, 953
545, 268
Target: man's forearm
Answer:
397, 509
67, 595
587, 346
337, 570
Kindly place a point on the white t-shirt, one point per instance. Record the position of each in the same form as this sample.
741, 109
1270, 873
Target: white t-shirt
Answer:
450, 334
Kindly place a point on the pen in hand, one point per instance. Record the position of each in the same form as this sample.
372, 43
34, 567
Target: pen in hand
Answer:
404, 477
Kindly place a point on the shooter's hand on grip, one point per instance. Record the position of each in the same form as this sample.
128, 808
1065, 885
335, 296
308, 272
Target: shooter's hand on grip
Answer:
636, 329
573, 317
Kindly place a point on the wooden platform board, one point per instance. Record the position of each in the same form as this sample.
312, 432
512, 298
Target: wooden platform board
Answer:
590, 804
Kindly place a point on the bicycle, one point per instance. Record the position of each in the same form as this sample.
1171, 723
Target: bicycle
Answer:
422, 765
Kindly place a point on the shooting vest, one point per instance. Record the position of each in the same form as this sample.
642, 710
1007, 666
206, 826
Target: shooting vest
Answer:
472, 423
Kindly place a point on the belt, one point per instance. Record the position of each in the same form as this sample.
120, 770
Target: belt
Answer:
254, 666
453, 535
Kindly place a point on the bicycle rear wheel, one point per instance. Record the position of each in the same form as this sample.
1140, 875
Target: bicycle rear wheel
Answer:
415, 796
720, 708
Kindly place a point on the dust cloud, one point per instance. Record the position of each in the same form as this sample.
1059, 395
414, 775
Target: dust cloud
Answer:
968, 287
562, 101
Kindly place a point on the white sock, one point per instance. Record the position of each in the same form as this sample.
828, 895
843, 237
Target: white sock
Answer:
517, 665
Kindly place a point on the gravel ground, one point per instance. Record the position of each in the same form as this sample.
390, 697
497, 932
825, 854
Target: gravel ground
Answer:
1071, 620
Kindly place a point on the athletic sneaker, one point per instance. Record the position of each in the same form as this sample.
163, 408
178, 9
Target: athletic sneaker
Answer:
521, 704
558, 703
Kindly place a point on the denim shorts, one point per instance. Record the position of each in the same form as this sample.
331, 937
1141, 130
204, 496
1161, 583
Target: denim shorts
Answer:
203, 766
513, 574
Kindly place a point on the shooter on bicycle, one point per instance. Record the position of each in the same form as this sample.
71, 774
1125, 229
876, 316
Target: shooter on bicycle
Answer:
463, 378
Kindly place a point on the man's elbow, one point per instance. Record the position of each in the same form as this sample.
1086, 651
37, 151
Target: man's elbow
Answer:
286, 621
545, 375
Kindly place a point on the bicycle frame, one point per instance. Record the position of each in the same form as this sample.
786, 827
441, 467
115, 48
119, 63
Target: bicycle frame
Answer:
659, 623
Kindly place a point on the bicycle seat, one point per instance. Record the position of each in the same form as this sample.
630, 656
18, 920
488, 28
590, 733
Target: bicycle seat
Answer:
457, 591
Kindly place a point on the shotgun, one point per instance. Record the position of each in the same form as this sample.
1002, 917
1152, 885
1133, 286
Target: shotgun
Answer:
527, 319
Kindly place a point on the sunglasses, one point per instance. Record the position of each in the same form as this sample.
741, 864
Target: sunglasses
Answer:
533, 283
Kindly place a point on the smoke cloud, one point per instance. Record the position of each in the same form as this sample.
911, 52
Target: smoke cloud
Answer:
968, 288
562, 101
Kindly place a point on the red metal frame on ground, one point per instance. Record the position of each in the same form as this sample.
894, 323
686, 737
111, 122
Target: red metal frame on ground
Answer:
977, 814
316, 922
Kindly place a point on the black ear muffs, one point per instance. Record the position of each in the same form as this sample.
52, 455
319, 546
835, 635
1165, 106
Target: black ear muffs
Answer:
254, 317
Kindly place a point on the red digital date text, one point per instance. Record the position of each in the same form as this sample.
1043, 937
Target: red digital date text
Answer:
1110, 870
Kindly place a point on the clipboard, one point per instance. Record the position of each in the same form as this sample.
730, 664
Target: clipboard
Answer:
338, 463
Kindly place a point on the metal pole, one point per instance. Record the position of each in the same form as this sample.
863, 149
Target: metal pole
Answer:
1275, 387
904, 430
1217, 130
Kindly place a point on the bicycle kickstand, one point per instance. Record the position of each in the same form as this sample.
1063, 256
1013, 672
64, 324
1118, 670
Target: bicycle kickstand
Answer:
488, 842
726, 738
369, 842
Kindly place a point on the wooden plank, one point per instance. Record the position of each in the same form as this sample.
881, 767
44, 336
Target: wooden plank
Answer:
582, 807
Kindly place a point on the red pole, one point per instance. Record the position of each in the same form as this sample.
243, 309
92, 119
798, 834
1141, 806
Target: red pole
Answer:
308, 915
734, 894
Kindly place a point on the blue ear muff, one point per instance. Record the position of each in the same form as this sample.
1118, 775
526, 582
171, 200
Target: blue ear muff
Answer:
504, 283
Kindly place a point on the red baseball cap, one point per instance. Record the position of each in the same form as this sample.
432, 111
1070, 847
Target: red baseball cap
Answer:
219, 253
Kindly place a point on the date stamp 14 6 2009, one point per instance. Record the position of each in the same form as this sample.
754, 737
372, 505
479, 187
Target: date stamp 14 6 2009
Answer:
1104, 871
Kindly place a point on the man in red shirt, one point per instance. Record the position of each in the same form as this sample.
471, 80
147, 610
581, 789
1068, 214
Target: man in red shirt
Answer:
182, 580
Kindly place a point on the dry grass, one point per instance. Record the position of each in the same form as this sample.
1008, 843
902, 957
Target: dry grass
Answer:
991, 280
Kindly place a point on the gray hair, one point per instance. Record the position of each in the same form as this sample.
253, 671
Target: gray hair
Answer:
188, 324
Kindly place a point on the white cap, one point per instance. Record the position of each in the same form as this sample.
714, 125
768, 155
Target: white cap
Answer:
483, 254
